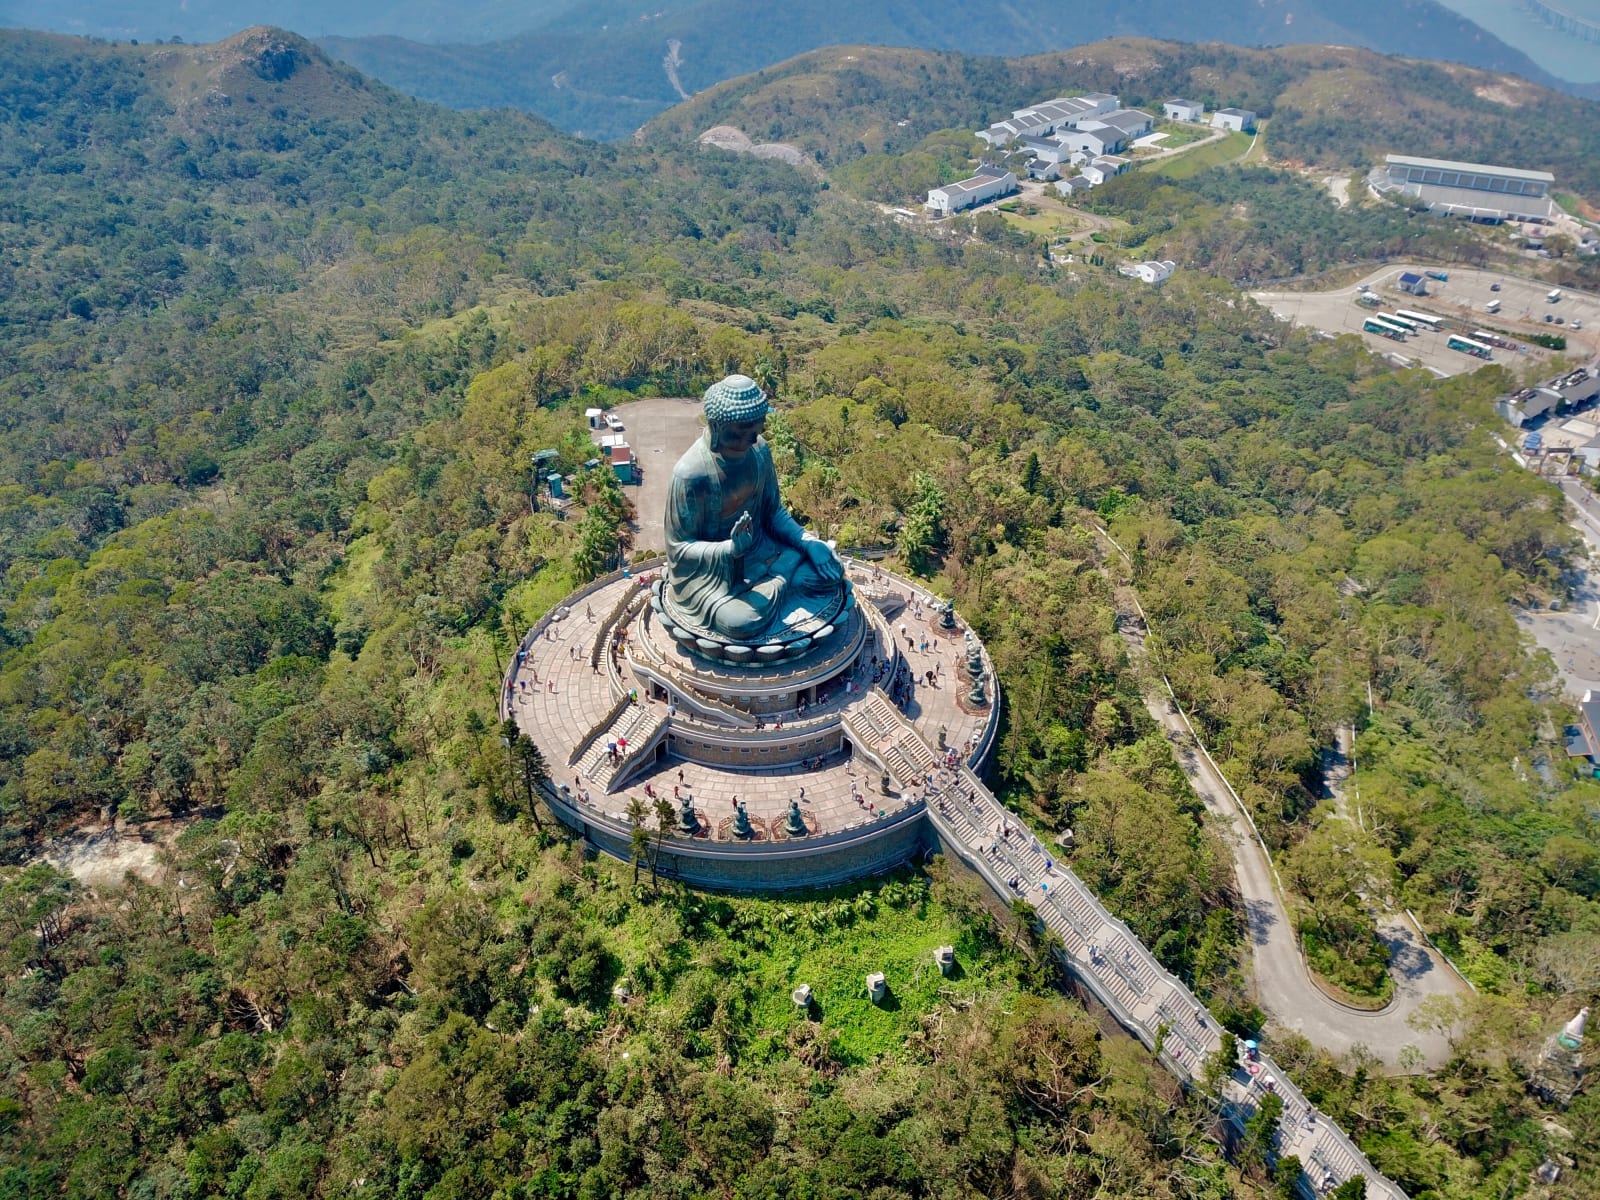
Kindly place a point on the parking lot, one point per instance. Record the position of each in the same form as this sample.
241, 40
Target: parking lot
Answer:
1460, 300
659, 432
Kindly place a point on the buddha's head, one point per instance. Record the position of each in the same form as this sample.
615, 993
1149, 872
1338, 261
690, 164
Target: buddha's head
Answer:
736, 413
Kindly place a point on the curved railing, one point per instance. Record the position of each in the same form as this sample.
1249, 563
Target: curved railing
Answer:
984, 745
537, 630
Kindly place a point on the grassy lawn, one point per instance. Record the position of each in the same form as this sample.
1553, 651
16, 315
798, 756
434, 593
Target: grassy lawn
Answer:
831, 940
1258, 146
1051, 219
1569, 203
1181, 133
1202, 158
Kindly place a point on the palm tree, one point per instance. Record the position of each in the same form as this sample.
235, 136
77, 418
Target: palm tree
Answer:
640, 841
664, 818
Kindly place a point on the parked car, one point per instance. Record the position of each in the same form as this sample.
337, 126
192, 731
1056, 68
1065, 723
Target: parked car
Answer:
1494, 287
614, 422
1548, 317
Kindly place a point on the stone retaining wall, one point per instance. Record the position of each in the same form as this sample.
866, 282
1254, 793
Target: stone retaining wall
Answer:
870, 849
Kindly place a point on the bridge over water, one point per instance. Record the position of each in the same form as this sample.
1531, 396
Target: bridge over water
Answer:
1566, 22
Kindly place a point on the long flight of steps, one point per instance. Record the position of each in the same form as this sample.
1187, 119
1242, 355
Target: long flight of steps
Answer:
1123, 973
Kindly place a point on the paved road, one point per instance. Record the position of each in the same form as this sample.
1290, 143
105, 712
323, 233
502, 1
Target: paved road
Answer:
1122, 973
659, 432
1283, 986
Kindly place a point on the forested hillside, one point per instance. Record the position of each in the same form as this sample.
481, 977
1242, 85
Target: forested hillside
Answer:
1328, 105
604, 73
275, 347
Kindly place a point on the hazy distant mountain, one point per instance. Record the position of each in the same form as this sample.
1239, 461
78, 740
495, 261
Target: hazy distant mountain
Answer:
210, 20
604, 67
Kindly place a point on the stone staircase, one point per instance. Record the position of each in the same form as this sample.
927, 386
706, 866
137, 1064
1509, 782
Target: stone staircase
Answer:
637, 724
892, 739
1127, 978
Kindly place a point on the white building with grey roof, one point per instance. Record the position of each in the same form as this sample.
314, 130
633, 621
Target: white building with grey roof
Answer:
968, 193
1048, 117
1091, 142
1240, 120
1477, 191
1129, 121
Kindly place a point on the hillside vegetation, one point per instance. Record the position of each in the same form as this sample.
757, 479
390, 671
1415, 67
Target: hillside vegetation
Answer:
276, 345
1329, 106
608, 80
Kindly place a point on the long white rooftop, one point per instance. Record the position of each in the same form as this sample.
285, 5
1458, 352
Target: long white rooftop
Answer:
1445, 164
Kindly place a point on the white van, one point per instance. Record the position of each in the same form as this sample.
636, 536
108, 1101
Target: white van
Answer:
1493, 306
1552, 295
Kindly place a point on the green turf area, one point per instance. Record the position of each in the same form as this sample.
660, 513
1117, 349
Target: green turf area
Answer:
1213, 154
1050, 219
832, 941
1181, 133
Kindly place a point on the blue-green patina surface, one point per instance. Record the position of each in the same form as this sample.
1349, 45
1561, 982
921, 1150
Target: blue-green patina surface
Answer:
741, 572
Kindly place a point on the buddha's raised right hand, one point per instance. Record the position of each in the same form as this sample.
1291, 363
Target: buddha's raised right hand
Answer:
743, 534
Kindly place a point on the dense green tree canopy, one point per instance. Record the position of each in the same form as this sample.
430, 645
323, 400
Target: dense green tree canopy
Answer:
265, 501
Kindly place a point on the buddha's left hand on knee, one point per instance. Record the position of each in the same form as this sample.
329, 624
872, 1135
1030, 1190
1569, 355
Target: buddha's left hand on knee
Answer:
823, 559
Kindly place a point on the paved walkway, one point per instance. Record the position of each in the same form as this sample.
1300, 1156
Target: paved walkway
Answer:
658, 431
558, 699
1284, 987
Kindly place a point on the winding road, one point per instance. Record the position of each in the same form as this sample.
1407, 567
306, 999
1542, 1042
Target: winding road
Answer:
1284, 987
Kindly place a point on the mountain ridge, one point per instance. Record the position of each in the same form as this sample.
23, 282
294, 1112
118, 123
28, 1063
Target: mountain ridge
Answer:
842, 103
605, 82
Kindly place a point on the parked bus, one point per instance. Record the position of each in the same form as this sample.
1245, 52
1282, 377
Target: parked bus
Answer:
1489, 338
1467, 346
1384, 328
1433, 323
1408, 325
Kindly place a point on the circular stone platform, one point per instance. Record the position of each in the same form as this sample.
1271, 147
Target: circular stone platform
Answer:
621, 711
